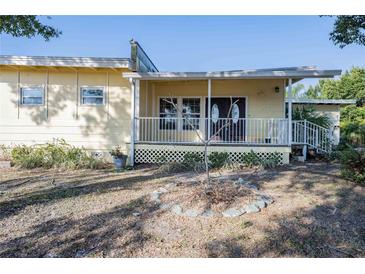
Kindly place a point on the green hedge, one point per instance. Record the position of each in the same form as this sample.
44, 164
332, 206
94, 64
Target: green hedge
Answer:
54, 155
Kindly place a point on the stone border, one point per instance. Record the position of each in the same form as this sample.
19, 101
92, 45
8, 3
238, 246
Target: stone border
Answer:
262, 201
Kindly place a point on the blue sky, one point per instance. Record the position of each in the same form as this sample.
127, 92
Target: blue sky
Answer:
197, 43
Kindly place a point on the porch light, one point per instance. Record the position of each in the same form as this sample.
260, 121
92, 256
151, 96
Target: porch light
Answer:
277, 89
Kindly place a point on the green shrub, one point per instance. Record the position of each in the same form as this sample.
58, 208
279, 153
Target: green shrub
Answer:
193, 160
57, 154
251, 159
353, 132
218, 159
353, 165
272, 160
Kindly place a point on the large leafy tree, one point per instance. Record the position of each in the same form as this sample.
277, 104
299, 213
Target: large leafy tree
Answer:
348, 29
351, 85
296, 90
26, 26
313, 92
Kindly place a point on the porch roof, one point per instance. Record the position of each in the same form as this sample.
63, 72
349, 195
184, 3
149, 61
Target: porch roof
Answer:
297, 73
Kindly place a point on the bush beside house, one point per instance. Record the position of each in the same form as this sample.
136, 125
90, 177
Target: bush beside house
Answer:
54, 155
353, 165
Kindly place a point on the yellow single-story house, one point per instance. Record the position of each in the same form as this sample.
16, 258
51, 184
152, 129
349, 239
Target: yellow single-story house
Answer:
328, 107
98, 103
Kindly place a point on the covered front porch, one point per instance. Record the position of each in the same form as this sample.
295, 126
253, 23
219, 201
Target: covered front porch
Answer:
174, 113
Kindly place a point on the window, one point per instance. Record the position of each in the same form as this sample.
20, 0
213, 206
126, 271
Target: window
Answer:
168, 114
92, 96
190, 113
32, 95
190, 108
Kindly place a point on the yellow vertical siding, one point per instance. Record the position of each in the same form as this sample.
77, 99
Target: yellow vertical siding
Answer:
62, 115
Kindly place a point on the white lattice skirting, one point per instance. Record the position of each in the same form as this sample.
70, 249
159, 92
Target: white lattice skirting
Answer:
147, 153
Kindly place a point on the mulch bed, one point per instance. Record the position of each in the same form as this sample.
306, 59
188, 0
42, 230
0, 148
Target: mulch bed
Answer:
218, 196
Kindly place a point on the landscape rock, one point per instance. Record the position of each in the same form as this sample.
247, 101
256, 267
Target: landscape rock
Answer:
247, 184
260, 203
223, 178
177, 209
170, 185
80, 254
155, 196
51, 255
208, 213
251, 186
251, 208
268, 200
192, 213
136, 214
233, 212
162, 190
166, 206
242, 181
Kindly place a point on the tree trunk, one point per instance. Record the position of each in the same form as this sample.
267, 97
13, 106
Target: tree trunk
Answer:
206, 162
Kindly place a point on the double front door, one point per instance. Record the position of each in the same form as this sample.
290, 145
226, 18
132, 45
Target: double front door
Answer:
226, 123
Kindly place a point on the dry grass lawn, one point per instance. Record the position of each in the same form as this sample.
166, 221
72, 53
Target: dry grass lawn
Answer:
57, 213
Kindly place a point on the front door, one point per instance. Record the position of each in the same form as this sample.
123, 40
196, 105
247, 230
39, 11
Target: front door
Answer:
222, 127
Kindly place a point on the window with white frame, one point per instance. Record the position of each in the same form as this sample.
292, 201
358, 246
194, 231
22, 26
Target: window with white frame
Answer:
190, 113
92, 96
190, 108
168, 113
32, 95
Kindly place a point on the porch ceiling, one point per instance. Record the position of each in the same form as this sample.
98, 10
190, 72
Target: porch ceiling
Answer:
296, 73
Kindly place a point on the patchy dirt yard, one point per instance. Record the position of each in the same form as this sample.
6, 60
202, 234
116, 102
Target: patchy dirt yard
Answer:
57, 213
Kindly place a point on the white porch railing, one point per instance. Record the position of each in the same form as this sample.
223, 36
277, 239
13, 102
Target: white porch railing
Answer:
261, 131
307, 133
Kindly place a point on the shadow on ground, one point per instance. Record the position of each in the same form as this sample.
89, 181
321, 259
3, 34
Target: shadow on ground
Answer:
94, 235
74, 186
334, 228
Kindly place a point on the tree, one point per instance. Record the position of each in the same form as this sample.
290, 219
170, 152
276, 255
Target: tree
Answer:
309, 114
26, 26
348, 30
296, 90
351, 85
313, 92
205, 142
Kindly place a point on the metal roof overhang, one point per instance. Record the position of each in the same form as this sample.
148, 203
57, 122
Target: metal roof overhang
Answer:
54, 61
322, 101
285, 73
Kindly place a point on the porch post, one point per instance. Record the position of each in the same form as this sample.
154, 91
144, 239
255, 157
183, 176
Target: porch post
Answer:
133, 113
290, 111
209, 106
136, 109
